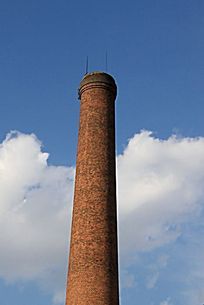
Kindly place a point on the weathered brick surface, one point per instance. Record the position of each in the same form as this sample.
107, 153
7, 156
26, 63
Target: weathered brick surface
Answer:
93, 260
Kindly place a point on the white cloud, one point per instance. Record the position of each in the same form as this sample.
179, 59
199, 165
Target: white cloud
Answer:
160, 188
35, 207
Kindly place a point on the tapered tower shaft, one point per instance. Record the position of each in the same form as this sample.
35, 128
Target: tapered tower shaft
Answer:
93, 259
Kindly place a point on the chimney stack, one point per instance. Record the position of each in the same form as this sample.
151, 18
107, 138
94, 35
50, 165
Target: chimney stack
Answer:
93, 259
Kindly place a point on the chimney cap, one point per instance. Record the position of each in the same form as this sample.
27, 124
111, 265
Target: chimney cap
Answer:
97, 79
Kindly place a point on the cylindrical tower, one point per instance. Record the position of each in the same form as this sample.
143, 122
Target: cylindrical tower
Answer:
93, 259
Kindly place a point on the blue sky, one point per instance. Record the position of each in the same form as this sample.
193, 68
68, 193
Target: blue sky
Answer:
155, 52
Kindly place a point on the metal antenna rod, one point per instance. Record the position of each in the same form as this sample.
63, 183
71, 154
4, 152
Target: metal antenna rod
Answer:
87, 65
106, 61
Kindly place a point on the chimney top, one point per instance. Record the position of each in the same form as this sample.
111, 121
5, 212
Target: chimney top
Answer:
97, 79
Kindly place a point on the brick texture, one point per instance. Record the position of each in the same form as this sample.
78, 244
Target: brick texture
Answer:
93, 259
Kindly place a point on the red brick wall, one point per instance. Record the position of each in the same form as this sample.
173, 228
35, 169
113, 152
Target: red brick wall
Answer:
93, 262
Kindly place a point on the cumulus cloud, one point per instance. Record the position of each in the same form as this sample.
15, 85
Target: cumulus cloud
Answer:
160, 186
35, 208
160, 189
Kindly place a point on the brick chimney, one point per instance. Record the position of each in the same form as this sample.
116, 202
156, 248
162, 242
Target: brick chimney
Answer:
93, 259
